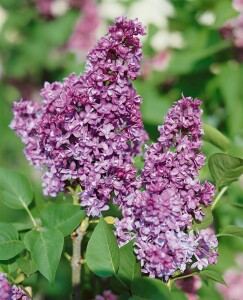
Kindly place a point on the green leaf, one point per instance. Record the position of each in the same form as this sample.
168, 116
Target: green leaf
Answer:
215, 137
184, 61
118, 286
102, 251
10, 245
27, 265
129, 268
16, 189
177, 294
237, 205
8, 266
64, 217
232, 230
146, 288
45, 248
230, 86
20, 226
211, 275
225, 168
207, 220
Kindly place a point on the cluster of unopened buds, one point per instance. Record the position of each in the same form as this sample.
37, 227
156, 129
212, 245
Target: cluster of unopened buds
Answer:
87, 132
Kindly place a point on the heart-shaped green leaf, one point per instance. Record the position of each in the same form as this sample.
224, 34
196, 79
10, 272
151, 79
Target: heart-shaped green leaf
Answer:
232, 230
177, 294
237, 205
210, 274
10, 245
225, 168
146, 288
215, 137
129, 267
25, 224
16, 190
206, 221
102, 251
64, 217
45, 248
27, 265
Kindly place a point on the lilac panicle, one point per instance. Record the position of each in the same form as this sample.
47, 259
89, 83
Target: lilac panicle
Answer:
190, 285
88, 128
233, 30
160, 215
107, 295
238, 5
18, 294
10, 293
5, 288
84, 34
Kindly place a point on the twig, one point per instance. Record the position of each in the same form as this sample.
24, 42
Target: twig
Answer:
220, 194
76, 260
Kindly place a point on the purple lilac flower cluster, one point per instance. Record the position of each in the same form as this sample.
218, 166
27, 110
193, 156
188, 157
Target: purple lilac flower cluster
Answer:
18, 294
5, 288
44, 7
52, 8
88, 128
10, 293
234, 279
190, 285
84, 34
107, 295
160, 215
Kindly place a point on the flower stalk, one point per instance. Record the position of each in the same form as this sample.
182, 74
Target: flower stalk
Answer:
76, 260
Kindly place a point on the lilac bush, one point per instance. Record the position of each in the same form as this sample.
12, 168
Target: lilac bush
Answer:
86, 133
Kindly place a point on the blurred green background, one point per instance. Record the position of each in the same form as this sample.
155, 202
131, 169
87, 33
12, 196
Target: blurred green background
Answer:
183, 53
